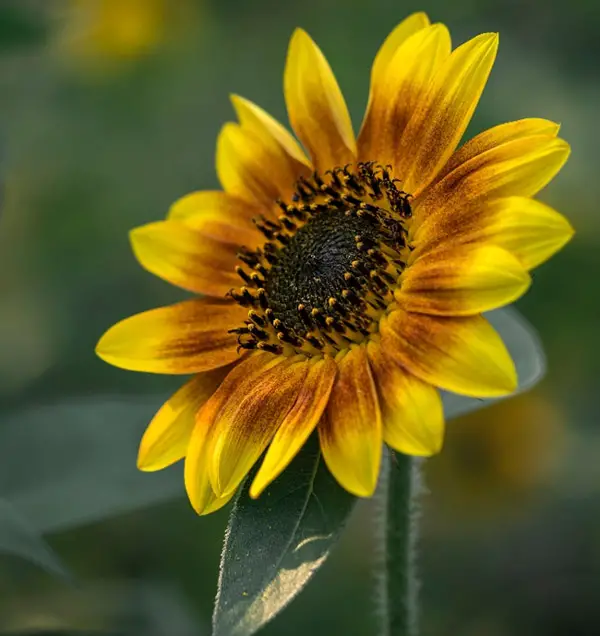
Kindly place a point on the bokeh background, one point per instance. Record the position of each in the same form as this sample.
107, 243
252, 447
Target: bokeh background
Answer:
109, 111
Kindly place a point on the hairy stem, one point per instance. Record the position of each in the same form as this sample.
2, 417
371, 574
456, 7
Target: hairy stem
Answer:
399, 518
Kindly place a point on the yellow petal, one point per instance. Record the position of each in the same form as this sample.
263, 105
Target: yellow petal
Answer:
394, 41
200, 492
254, 168
298, 424
197, 458
248, 420
259, 122
167, 437
411, 410
529, 229
463, 355
441, 118
315, 104
497, 136
188, 337
397, 90
517, 168
350, 430
408, 27
462, 281
219, 216
184, 257
199, 452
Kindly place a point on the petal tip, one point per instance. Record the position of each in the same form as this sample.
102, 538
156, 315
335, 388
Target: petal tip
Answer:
142, 231
223, 485
194, 504
487, 42
363, 490
141, 237
510, 381
564, 146
420, 15
145, 462
299, 38
493, 43
437, 448
299, 33
98, 349
104, 348
512, 384
197, 501
569, 231
522, 280
142, 462
238, 103
256, 489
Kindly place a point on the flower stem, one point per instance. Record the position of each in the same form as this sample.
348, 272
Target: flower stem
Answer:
399, 525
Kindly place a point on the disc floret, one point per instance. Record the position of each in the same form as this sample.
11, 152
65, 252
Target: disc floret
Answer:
329, 265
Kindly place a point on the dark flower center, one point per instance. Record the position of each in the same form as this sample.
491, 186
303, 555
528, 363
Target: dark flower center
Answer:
329, 265
310, 269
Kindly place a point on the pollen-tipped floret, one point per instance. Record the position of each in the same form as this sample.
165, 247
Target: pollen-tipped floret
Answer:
329, 263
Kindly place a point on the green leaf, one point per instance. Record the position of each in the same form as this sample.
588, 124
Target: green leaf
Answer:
63, 632
273, 545
18, 538
74, 462
524, 346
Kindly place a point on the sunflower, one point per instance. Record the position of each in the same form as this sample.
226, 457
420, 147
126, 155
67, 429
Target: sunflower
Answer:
342, 290
97, 30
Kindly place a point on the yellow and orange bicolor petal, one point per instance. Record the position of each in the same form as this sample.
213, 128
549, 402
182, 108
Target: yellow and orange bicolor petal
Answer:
496, 136
464, 355
219, 216
462, 281
188, 337
299, 422
316, 106
244, 413
200, 492
168, 434
414, 23
397, 88
253, 168
411, 410
527, 228
256, 120
185, 257
199, 452
441, 117
521, 167
350, 431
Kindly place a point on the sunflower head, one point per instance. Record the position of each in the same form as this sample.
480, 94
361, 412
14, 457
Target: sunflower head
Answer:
327, 270
101, 31
342, 290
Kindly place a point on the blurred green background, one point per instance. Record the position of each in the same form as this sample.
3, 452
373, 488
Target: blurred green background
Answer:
109, 111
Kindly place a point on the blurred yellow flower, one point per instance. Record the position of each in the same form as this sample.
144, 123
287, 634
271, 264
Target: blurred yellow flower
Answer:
109, 30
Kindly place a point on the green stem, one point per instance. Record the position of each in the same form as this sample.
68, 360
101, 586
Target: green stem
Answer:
400, 515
